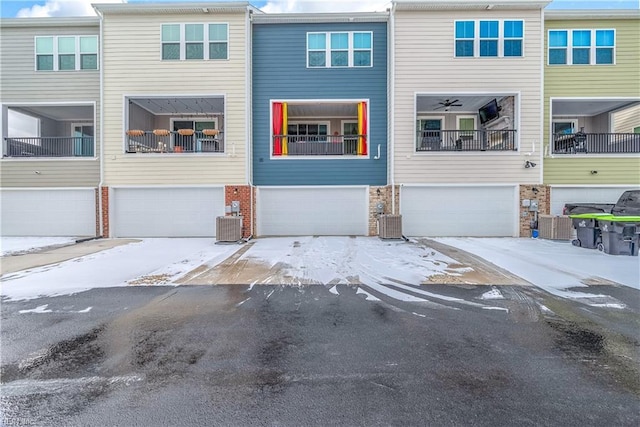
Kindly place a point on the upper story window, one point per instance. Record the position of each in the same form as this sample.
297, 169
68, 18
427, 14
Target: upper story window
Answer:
340, 49
489, 38
195, 41
66, 53
581, 47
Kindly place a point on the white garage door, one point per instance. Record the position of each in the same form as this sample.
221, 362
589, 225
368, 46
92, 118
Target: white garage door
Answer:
309, 211
480, 211
48, 212
562, 195
166, 212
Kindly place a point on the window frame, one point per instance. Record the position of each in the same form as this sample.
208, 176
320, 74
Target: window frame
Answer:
593, 46
56, 55
328, 50
501, 39
206, 41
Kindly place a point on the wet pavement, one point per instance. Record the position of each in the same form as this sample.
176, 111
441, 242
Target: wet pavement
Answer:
315, 355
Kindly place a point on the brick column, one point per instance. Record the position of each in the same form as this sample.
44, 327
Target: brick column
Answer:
542, 195
243, 194
105, 211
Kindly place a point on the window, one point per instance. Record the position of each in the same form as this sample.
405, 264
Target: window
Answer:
339, 49
194, 41
581, 47
66, 53
565, 126
308, 131
493, 38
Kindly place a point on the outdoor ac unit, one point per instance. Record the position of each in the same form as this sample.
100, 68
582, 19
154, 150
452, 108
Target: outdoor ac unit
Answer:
228, 228
390, 226
555, 227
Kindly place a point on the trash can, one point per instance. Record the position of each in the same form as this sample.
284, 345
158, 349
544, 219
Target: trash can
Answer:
587, 231
620, 235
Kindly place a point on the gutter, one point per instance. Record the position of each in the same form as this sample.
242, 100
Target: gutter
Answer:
249, 112
101, 183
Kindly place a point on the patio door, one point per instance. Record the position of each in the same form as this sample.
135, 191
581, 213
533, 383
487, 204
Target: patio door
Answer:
350, 144
83, 136
187, 142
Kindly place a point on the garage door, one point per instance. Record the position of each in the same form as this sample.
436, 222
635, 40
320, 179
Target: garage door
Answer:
480, 211
49, 212
562, 195
309, 211
166, 212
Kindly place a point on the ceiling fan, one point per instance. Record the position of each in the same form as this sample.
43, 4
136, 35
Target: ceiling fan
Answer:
447, 104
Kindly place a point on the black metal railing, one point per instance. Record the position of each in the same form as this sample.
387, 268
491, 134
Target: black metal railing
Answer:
466, 140
50, 146
139, 141
316, 145
596, 143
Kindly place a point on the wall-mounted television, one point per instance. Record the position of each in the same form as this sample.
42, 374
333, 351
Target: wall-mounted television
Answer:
489, 111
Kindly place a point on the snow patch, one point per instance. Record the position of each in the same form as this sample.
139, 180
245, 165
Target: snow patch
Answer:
492, 294
39, 309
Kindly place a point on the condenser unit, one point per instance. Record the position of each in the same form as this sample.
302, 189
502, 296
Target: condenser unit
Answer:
555, 227
228, 228
390, 226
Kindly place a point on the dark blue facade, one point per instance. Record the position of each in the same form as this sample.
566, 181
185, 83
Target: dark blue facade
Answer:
280, 73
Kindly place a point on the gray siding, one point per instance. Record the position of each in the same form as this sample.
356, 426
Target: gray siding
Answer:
21, 84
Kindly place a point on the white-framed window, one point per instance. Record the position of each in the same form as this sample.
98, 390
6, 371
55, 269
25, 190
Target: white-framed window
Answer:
564, 126
308, 131
184, 42
581, 47
340, 49
489, 38
66, 53
428, 132
466, 125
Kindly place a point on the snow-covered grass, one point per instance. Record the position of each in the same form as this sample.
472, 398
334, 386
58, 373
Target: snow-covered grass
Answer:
18, 245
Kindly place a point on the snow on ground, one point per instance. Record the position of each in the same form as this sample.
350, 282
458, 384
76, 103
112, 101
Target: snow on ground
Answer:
554, 266
16, 245
148, 262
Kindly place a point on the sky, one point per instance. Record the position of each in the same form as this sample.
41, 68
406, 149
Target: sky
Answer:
41, 8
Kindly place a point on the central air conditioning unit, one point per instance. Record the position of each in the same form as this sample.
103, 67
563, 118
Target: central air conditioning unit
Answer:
228, 228
555, 227
390, 226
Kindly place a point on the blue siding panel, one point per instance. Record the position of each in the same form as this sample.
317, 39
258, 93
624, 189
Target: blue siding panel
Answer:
280, 73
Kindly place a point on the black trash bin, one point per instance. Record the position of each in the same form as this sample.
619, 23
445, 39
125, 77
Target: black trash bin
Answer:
587, 230
620, 235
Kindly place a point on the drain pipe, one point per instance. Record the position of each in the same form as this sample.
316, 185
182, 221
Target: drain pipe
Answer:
101, 158
391, 103
249, 115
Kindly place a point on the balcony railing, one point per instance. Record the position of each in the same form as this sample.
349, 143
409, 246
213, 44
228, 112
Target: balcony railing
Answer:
596, 143
50, 146
182, 141
466, 140
319, 145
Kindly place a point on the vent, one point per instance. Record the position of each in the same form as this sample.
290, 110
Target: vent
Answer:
390, 226
555, 227
228, 228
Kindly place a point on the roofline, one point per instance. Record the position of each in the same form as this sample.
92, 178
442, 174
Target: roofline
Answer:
78, 21
468, 4
559, 14
293, 18
191, 7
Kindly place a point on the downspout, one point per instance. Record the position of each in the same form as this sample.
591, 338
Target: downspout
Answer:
249, 114
391, 103
542, 95
101, 183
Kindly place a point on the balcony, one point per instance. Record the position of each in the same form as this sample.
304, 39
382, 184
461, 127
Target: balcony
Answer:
466, 140
596, 143
67, 146
319, 145
181, 141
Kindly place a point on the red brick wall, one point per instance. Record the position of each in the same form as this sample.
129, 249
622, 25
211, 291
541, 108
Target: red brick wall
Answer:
243, 194
105, 211
98, 201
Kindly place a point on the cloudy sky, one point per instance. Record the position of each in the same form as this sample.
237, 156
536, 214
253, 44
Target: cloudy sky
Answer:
39, 8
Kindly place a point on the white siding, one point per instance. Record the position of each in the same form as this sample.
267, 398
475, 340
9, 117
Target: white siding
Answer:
425, 63
21, 84
133, 67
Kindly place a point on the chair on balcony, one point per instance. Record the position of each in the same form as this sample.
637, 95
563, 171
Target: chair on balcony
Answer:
162, 143
431, 141
210, 142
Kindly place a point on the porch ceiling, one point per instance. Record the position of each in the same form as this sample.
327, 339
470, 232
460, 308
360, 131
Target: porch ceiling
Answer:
470, 103
181, 105
58, 112
588, 107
